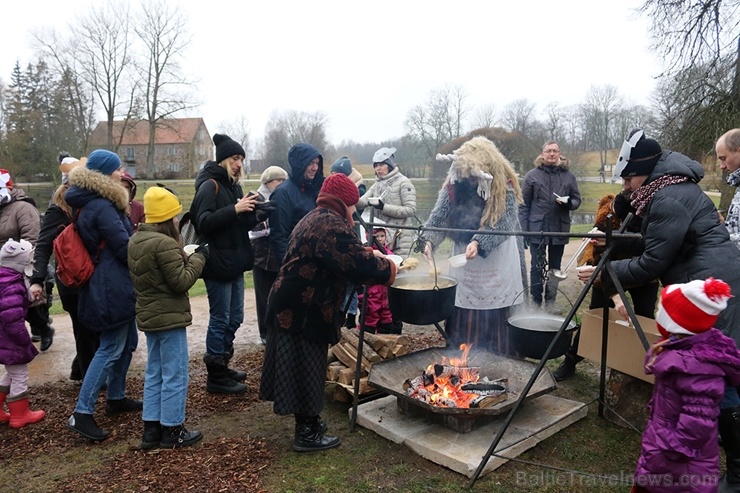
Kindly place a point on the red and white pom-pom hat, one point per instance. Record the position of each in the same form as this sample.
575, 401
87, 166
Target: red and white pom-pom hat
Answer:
691, 308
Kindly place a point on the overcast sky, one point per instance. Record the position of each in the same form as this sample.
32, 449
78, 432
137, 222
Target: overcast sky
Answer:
365, 64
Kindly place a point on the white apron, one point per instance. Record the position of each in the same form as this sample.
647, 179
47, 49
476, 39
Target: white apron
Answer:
492, 282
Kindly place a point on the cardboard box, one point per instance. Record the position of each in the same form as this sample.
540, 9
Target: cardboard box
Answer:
624, 349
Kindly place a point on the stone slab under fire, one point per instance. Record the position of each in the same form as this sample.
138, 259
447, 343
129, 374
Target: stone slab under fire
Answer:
535, 421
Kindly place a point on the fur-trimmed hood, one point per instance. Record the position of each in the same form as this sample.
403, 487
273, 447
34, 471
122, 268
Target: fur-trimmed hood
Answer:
563, 163
86, 185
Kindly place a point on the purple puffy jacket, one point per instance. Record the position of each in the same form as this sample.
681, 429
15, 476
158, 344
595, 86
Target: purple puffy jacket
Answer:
16, 347
680, 452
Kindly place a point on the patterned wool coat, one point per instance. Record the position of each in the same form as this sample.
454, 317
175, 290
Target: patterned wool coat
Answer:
304, 310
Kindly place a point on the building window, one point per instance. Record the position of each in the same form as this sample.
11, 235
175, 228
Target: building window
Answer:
130, 154
175, 168
170, 150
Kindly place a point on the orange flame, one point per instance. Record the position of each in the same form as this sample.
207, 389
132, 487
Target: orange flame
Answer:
447, 387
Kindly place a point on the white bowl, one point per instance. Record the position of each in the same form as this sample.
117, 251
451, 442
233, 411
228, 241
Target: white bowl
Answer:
190, 249
396, 259
457, 260
373, 200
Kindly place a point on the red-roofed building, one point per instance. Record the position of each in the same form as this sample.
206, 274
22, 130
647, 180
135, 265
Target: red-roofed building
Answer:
181, 146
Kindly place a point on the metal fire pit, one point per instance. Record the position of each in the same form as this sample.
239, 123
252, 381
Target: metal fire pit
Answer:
389, 375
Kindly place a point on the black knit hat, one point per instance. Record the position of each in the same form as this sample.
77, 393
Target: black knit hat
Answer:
227, 147
643, 158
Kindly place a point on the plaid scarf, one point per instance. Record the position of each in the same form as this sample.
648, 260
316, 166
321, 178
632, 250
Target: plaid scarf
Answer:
641, 197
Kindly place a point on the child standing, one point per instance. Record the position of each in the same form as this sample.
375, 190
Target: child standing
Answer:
162, 274
16, 348
378, 318
692, 364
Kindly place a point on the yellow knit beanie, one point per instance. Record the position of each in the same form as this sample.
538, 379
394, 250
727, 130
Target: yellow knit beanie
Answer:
160, 205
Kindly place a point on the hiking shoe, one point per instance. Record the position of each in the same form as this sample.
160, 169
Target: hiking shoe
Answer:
178, 436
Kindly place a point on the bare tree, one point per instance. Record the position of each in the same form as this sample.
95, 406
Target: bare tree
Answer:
517, 115
102, 45
700, 94
599, 112
162, 30
285, 129
439, 120
484, 117
239, 131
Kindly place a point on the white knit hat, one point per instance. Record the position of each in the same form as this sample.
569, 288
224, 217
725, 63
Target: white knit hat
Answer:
691, 308
17, 255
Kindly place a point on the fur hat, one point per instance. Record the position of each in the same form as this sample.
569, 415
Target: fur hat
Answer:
103, 161
67, 163
341, 187
342, 165
385, 155
691, 308
273, 173
6, 184
160, 205
17, 255
227, 147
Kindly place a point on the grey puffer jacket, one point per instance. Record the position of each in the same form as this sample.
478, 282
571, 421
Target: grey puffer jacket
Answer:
684, 239
540, 211
399, 198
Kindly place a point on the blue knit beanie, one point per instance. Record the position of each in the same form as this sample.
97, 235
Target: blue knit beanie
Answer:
342, 165
103, 161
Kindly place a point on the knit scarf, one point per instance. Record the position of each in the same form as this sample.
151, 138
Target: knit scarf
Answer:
641, 197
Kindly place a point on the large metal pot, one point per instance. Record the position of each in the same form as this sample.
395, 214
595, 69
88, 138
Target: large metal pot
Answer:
531, 335
416, 299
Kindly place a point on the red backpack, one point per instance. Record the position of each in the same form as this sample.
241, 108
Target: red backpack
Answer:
74, 265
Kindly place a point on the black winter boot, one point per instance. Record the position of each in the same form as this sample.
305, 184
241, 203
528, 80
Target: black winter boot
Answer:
236, 375
47, 338
351, 321
218, 378
729, 428
152, 435
85, 425
568, 367
178, 436
309, 435
125, 405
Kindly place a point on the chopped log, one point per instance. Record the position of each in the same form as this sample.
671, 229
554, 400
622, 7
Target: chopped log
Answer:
367, 351
332, 371
348, 355
330, 357
399, 350
341, 394
346, 376
366, 388
378, 341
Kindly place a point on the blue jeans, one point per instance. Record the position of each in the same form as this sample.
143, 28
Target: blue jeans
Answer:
110, 364
166, 378
226, 306
353, 305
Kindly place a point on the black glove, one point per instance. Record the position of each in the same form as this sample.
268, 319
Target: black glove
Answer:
379, 205
203, 249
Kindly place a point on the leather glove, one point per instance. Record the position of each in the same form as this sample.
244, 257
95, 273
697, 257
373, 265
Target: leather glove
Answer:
203, 249
379, 205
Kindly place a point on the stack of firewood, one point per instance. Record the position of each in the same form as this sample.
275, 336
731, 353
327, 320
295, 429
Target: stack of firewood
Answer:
343, 359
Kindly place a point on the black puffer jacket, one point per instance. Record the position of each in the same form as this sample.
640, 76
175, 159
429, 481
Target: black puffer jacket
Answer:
684, 239
215, 218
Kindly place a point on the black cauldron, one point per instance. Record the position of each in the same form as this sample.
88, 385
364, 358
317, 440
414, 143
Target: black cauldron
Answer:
531, 335
418, 300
